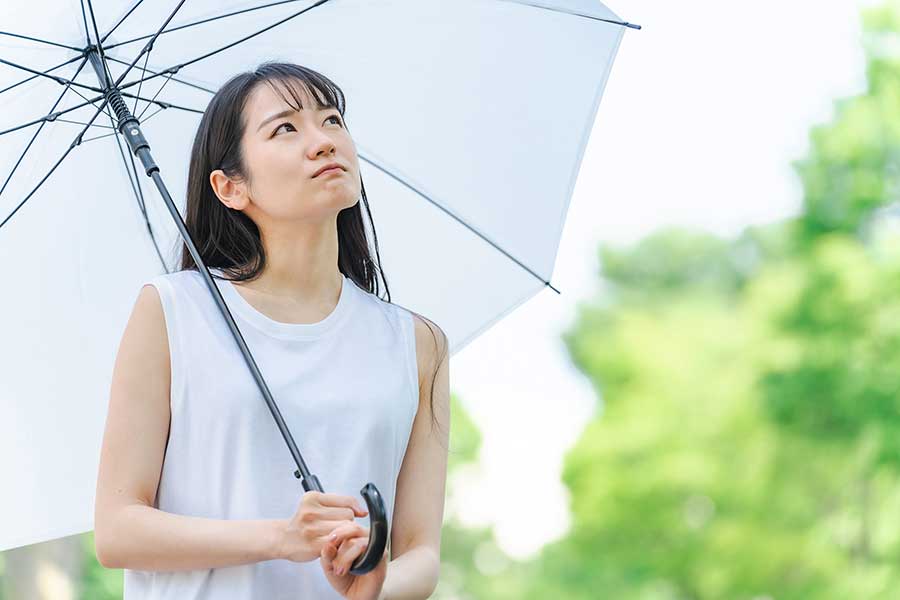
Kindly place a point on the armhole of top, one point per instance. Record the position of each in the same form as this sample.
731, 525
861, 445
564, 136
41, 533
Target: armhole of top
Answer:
166, 296
409, 319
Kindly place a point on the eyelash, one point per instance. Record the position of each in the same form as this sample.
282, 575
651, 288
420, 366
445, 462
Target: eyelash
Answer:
341, 123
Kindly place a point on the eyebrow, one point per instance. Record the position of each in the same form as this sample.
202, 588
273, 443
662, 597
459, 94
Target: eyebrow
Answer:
285, 113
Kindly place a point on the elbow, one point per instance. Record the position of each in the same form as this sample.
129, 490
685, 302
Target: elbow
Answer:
104, 556
435, 574
103, 549
105, 562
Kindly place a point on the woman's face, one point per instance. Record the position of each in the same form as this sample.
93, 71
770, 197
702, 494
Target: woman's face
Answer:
282, 153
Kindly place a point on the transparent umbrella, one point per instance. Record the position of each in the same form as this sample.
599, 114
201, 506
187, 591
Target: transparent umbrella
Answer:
470, 117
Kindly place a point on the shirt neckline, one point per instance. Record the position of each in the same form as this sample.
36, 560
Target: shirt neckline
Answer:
279, 329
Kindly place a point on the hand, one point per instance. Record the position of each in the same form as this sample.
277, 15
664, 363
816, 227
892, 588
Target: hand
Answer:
316, 518
348, 542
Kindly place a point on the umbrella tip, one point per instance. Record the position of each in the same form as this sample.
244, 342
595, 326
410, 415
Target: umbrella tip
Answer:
632, 25
550, 285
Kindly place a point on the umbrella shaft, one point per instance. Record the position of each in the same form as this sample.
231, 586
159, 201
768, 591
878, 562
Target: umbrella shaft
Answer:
130, 128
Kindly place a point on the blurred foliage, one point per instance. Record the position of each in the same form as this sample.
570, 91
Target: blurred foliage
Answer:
853, 166
465, 438
748, 445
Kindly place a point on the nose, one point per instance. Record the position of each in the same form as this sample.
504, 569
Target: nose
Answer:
322, 143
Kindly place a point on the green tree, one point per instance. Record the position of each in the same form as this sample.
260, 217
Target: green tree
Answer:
748, 441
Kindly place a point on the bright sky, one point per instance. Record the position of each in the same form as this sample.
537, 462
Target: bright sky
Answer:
704, 110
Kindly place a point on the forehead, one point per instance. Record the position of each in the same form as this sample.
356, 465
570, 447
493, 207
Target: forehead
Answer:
264, 100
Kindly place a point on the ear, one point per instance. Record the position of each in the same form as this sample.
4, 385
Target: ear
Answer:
233, 194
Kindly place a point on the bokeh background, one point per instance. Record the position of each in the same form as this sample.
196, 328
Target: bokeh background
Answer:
711, 408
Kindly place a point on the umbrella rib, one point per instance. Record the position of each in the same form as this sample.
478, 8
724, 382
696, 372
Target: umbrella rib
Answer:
99, 137
137, 190
54, 116
458, 220
34, 39
175, 79
106, 70
573, 13
50, 117
146, 48
74, 143
144, 71
152, 115
56, 78
127, 171
177, 68
87, 35
83, 97
202, 21
68, 62
140, 116
162, 104
78, 138
122, 20
34, 137
80, 123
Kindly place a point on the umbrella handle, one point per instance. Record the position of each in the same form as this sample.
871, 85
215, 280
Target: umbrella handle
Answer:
377, 531
378, 525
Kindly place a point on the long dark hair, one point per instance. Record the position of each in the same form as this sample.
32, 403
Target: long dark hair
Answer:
226, 238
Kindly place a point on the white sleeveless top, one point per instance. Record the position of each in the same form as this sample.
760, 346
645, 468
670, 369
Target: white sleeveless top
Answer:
347, 388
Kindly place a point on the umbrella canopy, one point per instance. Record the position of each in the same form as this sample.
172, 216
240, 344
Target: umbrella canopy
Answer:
470, 117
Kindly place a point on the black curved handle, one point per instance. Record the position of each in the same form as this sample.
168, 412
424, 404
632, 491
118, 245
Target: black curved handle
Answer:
378, 531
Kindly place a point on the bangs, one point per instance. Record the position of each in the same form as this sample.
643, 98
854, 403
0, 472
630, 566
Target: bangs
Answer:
297, 82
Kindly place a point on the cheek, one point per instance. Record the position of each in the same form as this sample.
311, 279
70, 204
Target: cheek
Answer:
274, 171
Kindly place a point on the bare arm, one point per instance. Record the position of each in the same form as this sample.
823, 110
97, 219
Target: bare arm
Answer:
149, 539
128, 531
421, 485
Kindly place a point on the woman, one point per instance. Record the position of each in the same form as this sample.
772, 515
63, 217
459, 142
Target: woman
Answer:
196, 496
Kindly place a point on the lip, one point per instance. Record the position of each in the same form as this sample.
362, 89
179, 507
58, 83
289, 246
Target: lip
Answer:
329, 168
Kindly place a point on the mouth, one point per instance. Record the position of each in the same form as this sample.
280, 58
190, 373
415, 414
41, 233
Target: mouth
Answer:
332, 168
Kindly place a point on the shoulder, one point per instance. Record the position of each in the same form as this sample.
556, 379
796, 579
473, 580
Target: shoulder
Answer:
432, 343
431, 346
173, 278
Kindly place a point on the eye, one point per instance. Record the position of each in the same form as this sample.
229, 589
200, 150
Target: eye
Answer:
339, 122
282, 125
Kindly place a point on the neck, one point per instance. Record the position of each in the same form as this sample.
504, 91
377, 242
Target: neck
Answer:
301, 263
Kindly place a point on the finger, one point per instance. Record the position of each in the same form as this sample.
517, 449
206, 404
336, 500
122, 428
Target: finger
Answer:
329, 552
334, 513
347, 553
338, 535
346, 531
339, 501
